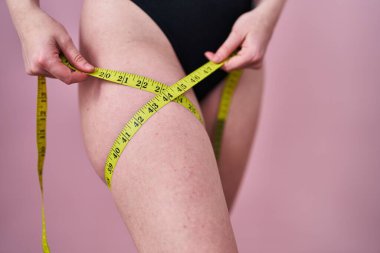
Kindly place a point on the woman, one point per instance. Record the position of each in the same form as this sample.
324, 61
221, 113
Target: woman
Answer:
168, 187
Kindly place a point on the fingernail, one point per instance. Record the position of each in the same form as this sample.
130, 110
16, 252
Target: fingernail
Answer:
88, 65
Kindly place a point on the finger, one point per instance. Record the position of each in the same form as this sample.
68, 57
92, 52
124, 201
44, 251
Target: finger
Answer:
38, 72
74, 79
209, 55
233, 40
71, 52
46, 74
242, 59
77, 77
256, 65
56, 68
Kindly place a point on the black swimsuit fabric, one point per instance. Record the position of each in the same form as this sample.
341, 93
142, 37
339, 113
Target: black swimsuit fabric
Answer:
196, 26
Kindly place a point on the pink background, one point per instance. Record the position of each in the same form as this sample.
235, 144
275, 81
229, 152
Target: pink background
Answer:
313, 179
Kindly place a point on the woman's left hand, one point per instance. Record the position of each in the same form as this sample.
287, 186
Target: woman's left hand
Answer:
252, 31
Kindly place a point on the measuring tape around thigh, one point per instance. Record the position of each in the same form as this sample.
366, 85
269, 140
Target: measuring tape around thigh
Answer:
224, 106
164, 95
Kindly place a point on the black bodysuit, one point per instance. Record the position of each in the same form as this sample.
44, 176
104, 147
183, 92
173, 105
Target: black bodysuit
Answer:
196, 26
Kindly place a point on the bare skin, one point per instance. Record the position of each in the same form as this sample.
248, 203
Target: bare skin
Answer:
166, 185
239, 130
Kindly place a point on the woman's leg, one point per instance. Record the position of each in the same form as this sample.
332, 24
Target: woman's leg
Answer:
166, 184
239, 130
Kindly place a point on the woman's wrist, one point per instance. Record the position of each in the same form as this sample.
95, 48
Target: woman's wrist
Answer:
20, 10
270, 10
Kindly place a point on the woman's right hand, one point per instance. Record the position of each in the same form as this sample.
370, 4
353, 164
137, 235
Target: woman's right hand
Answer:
43, 39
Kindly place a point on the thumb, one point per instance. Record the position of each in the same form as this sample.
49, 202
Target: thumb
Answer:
233, 40
72, 54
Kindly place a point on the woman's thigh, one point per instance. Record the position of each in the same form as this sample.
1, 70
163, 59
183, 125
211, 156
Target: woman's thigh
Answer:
166, 184
239, 130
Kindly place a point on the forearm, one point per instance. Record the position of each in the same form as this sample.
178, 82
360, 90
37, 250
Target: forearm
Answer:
20, 9
15, 5
271, 9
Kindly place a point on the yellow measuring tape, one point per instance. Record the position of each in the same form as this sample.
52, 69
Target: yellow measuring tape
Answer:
164, 95
224, 106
